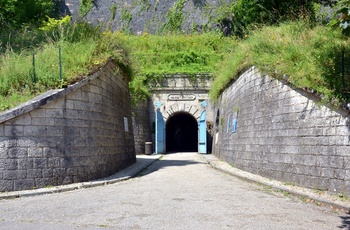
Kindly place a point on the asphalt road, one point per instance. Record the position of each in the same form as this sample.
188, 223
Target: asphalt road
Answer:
179, 191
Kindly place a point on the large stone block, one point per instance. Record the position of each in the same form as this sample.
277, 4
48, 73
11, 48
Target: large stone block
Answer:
34, 173
30, 131
14, 130
10, 175
35, 152
44, 182
24, 164
17, 152
6, 185
3, 152
24, 184
40, 163
20, 121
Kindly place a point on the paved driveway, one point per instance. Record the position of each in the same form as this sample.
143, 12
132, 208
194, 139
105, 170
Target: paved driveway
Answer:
180, 191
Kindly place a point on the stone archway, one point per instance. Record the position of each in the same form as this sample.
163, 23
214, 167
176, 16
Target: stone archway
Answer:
178, 99
181, 133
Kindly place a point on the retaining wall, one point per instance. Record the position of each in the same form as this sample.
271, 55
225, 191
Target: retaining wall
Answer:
80, 133
283, 134
148, 15
141, 125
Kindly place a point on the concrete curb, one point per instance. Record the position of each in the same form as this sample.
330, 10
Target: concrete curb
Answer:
142, 162
319, 198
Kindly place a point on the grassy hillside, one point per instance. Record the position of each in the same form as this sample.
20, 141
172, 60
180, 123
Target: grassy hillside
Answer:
83, 49
307, 57
150, 57
155, 56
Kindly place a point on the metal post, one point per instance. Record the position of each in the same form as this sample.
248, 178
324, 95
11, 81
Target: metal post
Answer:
343, 68
33, 63
60, 61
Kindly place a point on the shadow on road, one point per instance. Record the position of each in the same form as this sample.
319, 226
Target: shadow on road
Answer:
345, 221
161, 164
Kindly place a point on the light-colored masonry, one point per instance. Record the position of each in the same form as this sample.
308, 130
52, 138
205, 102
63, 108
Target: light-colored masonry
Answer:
266, 127
70, 135
179, 93
261, 125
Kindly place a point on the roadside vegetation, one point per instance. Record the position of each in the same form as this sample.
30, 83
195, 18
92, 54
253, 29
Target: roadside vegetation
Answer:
282, 39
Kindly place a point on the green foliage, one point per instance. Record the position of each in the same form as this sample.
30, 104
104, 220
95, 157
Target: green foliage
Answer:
113, 11
18, 39
244, 15
341, 18
158, 56
15, 13
308, 57
52, 24
126, 17
174, 17
83, 50
85, 7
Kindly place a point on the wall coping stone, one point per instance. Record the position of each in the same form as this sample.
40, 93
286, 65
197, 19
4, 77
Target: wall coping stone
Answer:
49, 96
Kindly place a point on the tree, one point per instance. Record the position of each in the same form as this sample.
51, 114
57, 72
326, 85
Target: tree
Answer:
245, 14
14, 13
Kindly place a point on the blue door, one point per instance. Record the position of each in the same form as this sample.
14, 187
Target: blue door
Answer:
202, 131
160, 130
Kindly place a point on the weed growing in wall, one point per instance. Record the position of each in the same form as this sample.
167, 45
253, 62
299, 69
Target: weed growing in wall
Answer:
174, 17
85, 7
126, 17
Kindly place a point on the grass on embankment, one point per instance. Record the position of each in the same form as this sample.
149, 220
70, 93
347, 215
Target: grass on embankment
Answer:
80, 55
156, 56
309, 57
153, 57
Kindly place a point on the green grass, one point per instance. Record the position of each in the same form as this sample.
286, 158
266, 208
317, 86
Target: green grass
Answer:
308, 57
83, 49
16, 71
157, 56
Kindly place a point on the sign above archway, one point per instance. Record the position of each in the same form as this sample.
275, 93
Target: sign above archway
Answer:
179, 94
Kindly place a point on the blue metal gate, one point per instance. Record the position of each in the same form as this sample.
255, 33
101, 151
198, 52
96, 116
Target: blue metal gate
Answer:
202, 131
160, 130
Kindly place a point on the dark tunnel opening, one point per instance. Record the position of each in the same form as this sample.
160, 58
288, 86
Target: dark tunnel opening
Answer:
181, 133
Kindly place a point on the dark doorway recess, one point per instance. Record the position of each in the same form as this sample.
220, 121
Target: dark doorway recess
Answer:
181, 133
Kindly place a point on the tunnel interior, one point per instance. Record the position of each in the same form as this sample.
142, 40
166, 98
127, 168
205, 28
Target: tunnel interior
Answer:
181, 133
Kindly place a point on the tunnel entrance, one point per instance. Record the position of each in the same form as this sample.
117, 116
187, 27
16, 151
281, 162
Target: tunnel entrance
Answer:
181, 133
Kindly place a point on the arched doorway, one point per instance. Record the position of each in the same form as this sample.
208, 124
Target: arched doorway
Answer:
181, 133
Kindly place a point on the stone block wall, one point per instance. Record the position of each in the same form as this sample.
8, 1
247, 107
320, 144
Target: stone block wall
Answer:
148, 15
283, 134
80, 133
141, 125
